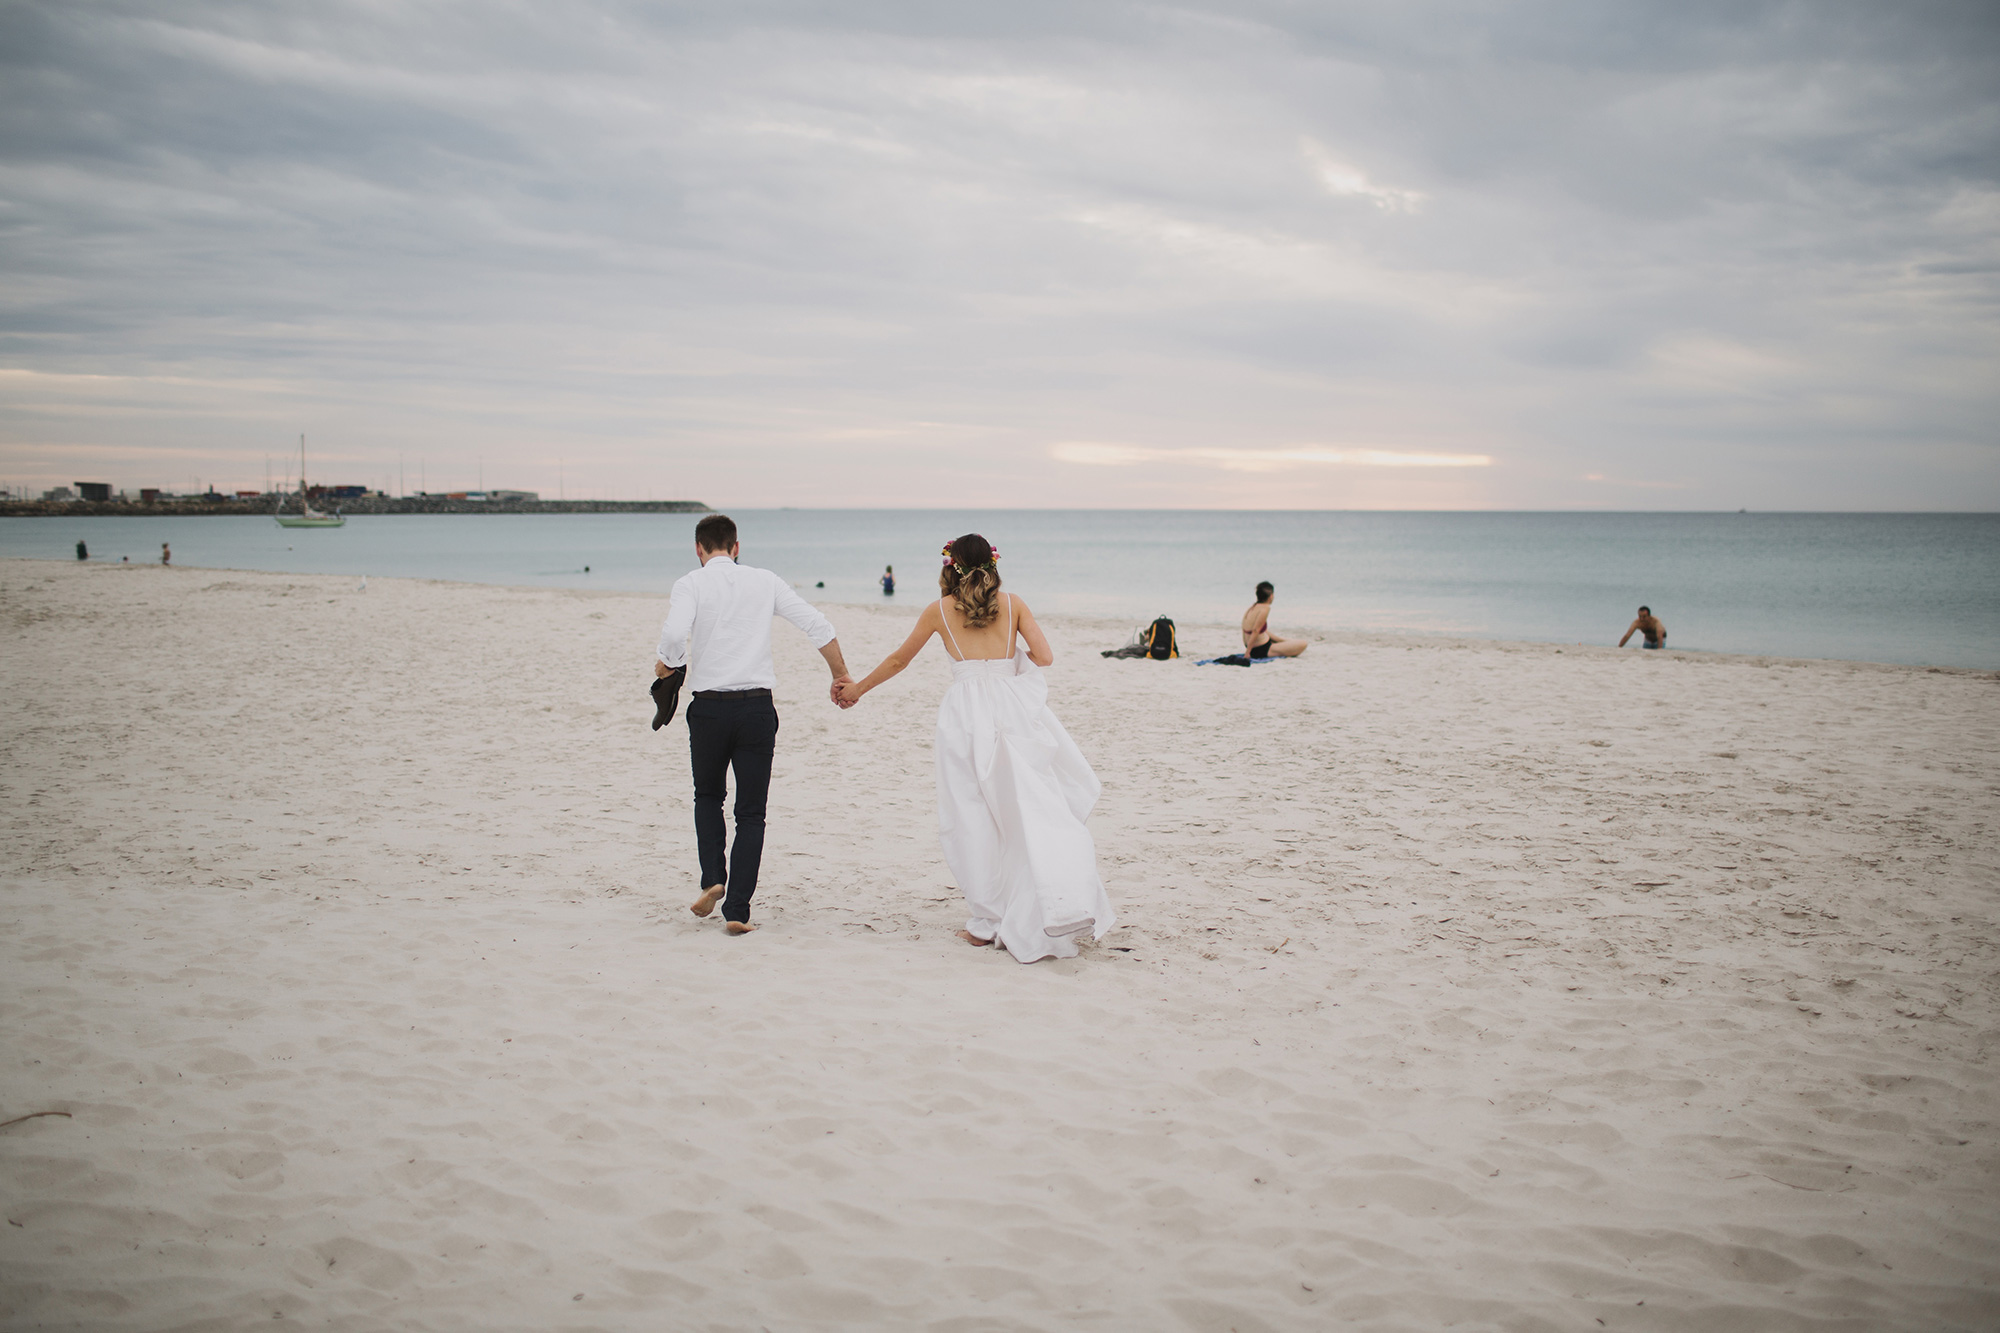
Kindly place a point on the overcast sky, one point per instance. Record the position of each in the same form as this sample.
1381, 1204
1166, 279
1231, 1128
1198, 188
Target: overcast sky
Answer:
1530, 255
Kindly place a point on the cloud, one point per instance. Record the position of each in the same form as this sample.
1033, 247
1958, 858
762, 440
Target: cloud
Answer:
1091, 454
783, 253
1722, 365
1343, 181
1598, 478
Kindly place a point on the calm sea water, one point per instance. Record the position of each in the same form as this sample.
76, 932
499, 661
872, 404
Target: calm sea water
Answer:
1921, 588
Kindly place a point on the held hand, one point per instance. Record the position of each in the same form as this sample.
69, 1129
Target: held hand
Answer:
846, 693
833, 691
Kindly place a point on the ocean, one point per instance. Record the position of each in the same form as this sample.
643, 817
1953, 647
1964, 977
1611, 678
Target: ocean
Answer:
1911, 588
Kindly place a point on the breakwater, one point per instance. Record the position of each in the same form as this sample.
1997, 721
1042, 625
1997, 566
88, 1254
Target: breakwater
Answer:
263, 507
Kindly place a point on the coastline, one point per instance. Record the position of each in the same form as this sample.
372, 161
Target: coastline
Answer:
261, 507
1463, 980
1113, 629
1860, 587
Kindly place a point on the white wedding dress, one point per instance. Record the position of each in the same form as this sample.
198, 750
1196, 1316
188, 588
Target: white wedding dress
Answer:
1013, 792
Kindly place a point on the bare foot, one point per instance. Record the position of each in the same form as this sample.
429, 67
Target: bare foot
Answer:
739, 927
705, 904
973, 939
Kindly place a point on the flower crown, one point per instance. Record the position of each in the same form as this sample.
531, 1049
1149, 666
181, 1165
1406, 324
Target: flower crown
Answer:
961, 568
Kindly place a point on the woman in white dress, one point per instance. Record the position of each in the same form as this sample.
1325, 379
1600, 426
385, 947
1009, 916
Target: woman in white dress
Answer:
1013, 789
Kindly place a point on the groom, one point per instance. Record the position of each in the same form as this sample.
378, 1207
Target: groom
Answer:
719, 626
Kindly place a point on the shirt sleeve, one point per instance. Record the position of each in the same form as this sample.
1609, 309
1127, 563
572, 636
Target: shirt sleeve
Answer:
800, 612
673, 649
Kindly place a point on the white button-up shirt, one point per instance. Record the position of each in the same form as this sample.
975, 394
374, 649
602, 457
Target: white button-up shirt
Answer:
720, 623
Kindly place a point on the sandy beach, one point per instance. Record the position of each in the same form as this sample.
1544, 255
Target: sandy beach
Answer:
1460, 984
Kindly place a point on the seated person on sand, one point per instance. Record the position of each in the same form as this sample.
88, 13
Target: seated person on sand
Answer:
1649, 625
1258, 640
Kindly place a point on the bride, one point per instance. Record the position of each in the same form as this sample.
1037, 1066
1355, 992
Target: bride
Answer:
1013, 789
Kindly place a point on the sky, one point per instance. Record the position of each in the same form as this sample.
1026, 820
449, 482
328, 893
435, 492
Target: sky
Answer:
1552, 254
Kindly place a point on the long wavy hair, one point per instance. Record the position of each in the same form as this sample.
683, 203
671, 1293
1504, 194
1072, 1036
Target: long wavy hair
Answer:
972, 580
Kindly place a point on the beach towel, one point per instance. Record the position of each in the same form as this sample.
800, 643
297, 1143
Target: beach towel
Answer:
1240, 659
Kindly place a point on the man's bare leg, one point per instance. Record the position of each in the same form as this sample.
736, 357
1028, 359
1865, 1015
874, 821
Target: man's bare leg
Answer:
705, 904
739, 927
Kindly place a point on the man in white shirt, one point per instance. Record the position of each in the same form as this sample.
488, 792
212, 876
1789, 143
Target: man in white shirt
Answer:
719, 627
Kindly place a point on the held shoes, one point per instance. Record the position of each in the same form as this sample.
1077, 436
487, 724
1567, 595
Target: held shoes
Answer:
667, 696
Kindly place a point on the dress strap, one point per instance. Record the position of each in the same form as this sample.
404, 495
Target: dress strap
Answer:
1008, 597
957, 653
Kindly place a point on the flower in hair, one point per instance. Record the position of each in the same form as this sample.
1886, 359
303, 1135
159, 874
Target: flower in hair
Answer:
993, 556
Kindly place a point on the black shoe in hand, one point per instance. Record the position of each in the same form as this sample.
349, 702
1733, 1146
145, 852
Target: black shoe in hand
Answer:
667, 696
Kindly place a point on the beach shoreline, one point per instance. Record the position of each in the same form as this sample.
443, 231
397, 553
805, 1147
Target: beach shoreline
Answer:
1224, 632
1914, 589
1504, 984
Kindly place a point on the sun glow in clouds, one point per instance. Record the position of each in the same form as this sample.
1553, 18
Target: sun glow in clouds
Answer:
1090, 454
1340, 179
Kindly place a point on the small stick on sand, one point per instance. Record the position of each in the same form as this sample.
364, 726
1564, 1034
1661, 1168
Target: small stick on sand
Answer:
33, 1115
1281, 944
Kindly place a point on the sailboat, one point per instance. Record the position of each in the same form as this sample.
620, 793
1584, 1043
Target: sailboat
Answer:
308, 517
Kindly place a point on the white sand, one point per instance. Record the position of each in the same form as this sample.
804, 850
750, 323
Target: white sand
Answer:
1468, 985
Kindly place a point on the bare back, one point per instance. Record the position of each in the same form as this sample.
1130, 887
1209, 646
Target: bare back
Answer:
990, 642
1257, 624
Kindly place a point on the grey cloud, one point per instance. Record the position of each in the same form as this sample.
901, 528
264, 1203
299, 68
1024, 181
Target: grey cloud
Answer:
676, 234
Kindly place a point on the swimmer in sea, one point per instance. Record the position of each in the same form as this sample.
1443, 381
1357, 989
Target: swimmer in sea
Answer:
1649, 625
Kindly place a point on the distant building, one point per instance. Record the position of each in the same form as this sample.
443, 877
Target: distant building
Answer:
94, 490
59, 493
149, 495
513, 495
248, 495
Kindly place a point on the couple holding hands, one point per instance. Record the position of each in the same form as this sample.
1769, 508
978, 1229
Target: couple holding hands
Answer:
1013, 789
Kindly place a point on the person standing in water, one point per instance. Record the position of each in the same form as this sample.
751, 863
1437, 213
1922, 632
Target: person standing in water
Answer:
1258, 640
888, 580
82, 551
1649, 625
166, 554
